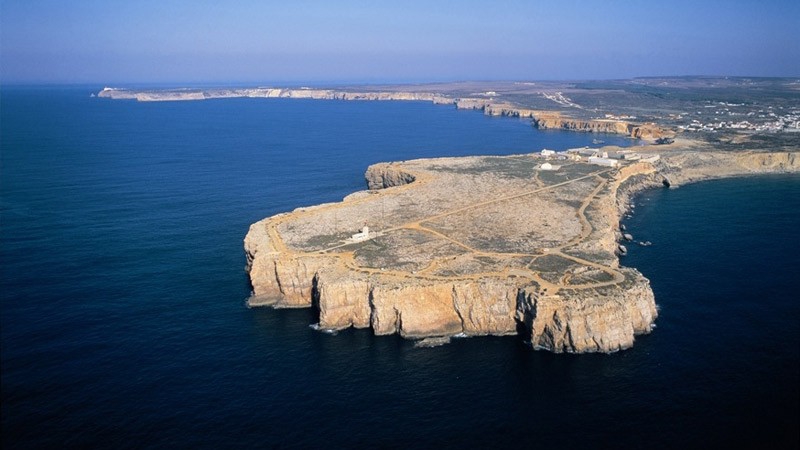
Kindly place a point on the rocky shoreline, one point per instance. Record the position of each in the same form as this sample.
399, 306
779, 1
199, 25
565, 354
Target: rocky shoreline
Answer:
682, 167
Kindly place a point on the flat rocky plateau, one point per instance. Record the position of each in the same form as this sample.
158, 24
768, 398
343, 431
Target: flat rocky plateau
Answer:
480, 246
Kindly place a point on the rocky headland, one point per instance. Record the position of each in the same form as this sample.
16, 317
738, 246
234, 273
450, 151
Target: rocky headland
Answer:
521, 244
432, 265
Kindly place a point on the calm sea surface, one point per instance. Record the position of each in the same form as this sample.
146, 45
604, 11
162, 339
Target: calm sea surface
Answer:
123, 289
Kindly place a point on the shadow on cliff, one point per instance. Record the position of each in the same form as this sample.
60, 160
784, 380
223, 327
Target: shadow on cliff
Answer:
314, 301
523, 326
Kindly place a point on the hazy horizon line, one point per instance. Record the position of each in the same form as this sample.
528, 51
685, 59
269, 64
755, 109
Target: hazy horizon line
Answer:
361, 82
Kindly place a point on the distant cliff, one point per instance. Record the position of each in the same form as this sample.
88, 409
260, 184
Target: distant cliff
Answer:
489, 106
648, 132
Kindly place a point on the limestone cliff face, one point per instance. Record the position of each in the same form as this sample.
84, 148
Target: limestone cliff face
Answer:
410, 309
504, 109
554, 120
640, 131
681, 167
601, 321
343, 302
487, 307
484, 307
493, 108
559, 323
278, 280
414, 310
386, 175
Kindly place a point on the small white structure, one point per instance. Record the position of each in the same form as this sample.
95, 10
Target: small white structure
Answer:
546, 166
363, 235
547, 152
603, 161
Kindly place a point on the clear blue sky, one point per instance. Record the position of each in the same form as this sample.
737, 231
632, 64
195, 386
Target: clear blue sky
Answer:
163, 41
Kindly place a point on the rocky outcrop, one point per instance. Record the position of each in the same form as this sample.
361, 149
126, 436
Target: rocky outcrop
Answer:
604, 321
552, 120
487, 307
648, 132
278, 280
343, 302
386, 175
414, 310
574, 298
349, 294
492, 108
678, 166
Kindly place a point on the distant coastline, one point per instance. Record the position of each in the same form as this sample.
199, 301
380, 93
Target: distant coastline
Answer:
486, 103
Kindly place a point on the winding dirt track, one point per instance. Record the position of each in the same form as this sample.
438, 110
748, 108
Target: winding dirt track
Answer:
347, 258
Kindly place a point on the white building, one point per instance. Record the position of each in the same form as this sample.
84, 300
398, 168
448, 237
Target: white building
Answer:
547, 152
603, 161
548, 166
363, 235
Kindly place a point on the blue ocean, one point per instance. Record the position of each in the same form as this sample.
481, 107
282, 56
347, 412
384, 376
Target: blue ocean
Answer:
123, 286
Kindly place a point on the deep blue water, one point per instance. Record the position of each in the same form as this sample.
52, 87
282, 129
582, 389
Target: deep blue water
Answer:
123, 286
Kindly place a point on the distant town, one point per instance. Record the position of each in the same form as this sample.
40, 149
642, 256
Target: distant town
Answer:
738, 117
